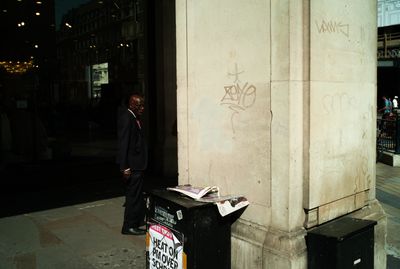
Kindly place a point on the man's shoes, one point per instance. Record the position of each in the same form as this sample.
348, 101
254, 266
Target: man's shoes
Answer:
142, 223
134, 231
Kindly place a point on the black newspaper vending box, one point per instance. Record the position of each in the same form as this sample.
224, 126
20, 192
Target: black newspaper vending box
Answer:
341, 244
184, 233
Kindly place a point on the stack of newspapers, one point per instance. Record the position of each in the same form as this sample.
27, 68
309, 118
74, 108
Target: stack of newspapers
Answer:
226, 203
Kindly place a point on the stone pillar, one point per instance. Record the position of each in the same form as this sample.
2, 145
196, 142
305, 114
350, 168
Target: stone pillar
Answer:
269, 107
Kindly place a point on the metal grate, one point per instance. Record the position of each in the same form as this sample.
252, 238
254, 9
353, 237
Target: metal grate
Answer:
388, 135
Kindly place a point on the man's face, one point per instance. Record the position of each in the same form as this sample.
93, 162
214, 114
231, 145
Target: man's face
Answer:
136, 104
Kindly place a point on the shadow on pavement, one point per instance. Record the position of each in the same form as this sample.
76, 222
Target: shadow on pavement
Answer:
29, 187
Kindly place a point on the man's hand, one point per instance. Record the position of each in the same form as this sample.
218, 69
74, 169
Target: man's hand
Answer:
126, 174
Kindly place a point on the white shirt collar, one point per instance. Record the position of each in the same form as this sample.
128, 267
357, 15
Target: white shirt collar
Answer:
132, 113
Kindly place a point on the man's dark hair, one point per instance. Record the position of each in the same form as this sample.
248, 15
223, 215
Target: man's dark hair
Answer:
125, 99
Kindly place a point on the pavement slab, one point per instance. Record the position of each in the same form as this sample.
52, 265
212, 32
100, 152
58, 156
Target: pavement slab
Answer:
60, 257
87, 235
109, 212
83, 236
6, 261
122, 258
388, 194
18, 235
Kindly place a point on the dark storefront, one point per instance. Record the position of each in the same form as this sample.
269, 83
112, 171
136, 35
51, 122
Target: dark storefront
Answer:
63, 74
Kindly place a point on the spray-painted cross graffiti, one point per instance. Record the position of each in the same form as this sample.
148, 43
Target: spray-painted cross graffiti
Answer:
238, 97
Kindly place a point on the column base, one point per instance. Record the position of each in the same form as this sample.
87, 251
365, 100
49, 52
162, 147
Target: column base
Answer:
255, 247
259, 247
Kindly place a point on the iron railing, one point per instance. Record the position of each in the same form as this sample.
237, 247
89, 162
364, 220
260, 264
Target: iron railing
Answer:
388, 135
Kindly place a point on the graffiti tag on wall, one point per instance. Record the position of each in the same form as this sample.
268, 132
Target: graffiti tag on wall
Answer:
238, 96
333, 27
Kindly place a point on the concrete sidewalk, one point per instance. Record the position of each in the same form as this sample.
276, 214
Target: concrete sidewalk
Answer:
84, 236
87, 236
388, 193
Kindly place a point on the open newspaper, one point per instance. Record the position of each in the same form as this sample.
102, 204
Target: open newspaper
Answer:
194, 192
226, 204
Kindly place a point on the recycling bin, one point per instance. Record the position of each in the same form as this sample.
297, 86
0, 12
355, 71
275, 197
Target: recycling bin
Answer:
341, 244
184, 233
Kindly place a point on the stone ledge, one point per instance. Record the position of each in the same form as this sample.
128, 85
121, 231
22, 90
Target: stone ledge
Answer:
335, 209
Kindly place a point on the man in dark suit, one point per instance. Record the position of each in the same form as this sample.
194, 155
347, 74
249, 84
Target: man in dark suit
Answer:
132, 159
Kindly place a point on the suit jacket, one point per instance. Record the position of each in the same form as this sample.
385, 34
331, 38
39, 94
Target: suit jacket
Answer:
132, 147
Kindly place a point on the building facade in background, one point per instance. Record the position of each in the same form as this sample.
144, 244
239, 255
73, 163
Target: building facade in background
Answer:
100, 51
388, 12
27, 49
388, 53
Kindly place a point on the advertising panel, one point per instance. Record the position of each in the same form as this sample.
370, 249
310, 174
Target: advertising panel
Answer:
99, 77
165, 248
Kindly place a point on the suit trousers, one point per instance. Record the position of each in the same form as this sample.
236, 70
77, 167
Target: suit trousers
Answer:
134, 201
